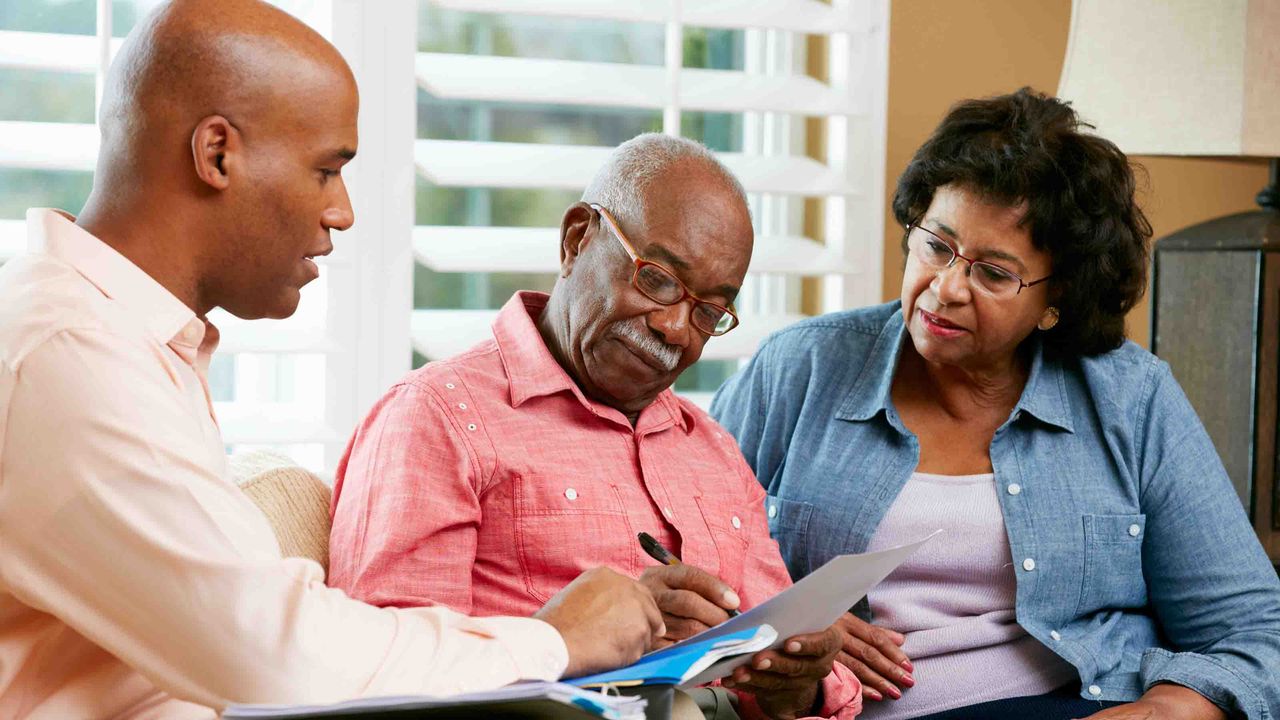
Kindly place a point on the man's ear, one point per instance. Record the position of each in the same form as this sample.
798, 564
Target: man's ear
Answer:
215, 148
574, 235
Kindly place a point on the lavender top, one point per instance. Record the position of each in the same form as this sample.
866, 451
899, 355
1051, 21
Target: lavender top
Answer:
954, 600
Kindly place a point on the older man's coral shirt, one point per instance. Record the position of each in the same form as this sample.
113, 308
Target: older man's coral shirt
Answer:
488, 482
136, 580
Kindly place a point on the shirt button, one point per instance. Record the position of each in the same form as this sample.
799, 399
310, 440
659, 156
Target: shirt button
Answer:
462, 406
1014, 488
1055, 635
1094, 690
773, 511
737, 524
1029, 564
666, 511
449, 385
571, 494
1134, 530
471, 427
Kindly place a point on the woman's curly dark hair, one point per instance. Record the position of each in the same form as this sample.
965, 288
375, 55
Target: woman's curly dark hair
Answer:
1079, 191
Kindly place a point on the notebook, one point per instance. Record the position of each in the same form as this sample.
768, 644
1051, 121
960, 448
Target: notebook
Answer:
679, 663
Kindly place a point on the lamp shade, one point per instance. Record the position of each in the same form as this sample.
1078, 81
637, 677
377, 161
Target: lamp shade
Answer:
1177, 77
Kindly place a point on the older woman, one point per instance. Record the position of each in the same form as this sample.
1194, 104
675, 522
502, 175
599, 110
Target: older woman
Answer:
1095, 558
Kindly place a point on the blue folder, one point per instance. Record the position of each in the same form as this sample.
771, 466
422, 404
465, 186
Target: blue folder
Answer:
677, 664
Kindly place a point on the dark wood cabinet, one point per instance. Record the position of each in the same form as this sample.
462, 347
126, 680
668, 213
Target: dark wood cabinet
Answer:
1215, 318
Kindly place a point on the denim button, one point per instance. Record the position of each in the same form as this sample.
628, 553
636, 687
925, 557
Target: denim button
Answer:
1014, 488
1029, 564
1094, 690
1134, 530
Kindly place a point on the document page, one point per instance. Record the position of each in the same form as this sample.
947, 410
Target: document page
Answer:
810, 605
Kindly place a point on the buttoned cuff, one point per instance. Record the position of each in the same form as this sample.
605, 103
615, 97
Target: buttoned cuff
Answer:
537, 649
841, 693
1213, 679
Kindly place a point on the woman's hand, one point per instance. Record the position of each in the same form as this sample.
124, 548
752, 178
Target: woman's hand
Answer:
785, 681
1164, 702
875, 656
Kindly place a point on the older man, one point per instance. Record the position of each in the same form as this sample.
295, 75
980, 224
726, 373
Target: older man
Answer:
487, 481
135, 579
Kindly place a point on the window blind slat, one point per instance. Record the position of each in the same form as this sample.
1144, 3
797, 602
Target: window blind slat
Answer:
48, 146
445, 333
261, 336
535, 250
808, 16
463, 163
564, 82
701, 399
446, 248
250, 426
50, 51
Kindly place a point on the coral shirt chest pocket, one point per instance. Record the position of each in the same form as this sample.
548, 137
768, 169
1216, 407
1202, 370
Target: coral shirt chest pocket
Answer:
565, 528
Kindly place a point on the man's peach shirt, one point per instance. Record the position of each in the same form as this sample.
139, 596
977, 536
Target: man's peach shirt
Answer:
136, 580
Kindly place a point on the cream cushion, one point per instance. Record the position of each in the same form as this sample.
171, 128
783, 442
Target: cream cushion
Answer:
295, 501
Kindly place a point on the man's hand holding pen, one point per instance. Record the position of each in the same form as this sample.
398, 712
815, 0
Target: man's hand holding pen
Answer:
785, 681
691, 600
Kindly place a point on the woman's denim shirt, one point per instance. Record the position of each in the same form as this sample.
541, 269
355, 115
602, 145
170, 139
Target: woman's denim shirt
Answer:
1134, 559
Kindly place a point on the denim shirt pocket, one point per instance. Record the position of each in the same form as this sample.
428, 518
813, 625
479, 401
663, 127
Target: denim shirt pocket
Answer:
1113, 576
789, 525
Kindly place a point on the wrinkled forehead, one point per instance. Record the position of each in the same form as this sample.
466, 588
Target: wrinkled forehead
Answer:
703, 233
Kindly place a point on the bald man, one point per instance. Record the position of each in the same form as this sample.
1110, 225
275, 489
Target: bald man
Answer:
135, 579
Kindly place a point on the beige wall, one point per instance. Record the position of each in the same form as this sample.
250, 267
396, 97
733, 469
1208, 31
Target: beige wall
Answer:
941, 51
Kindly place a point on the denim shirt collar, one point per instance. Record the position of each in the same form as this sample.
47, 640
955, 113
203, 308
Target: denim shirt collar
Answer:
1044, 397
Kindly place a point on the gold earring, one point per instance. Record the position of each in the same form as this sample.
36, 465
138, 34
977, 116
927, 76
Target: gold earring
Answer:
1049, 320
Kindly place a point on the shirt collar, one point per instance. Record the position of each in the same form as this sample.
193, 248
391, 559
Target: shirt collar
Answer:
532, 371
870, 393
1044, 397
165, 317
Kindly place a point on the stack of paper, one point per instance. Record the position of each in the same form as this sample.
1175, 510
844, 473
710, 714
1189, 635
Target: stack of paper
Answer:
811, 605
533, 700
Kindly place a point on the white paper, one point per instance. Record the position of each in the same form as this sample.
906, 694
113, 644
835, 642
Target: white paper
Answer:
610, 707
811, 605
764, 638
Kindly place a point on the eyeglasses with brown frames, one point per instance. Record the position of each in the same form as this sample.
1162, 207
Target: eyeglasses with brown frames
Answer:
660, 285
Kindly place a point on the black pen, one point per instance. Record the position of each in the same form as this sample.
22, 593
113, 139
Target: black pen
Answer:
664, 556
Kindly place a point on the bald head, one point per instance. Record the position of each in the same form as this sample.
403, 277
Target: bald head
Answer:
225, 126
245, 60
622, 182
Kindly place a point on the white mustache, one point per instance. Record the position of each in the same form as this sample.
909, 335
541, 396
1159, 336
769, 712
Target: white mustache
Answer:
668, 356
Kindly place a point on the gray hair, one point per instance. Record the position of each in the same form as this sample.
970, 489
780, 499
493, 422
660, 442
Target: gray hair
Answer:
620, 183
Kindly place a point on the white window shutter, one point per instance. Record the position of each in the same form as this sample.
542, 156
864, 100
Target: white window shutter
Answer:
768, 92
